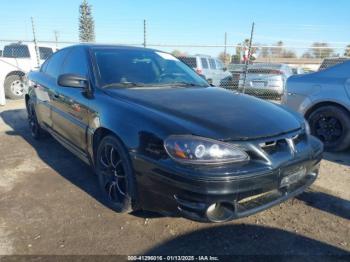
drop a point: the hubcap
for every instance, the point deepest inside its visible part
(328, 129)
(17, 87)
(112, 174)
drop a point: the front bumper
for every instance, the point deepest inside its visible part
(170, 191)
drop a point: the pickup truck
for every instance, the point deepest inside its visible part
(16, 61)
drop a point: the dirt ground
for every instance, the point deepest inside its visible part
(50, 204)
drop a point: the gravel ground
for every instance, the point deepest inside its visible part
(50, 204)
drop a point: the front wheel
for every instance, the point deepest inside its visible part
(115, 174)
(331, 124)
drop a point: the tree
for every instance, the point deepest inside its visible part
(347, 51)
(321, 50)
(86, 23)
(178, 53)
(225, 59)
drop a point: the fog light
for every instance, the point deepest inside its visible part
(220, 212)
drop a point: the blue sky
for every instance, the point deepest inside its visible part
(298, 23)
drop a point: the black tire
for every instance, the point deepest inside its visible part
(14, 87)
(115, 175)
(35, 129)
(331, 124)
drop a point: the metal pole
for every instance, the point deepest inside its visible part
(248, 58)
(225, 49)
(56, 38)
(35, 43)
(144, 33)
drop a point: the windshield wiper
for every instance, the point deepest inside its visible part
(181, 84)
(124, 85)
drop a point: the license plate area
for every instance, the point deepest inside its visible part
(292, 176)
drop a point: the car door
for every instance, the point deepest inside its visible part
(205, 67)
(45, 87)
(70, 107)
(213, 71)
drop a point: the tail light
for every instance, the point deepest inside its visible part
(199, 71)
(276, 72)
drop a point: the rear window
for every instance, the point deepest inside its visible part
(190, 61)
(16, 51)
(45, 52)
(266, 71)
(204, 63)
(212, 63)
(332, 62)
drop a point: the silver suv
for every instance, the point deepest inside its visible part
(211, 68)
(323, 98)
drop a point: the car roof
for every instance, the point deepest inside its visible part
(109, 46)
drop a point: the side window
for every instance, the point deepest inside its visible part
(55, 62)
(45, 52)
(44, 66)
(212, 63)
(219, 65)
(204, 63)
(76, 62)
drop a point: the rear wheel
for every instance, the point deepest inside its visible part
(35, 129)
(14, 87)
(331, 124)
(115, 174)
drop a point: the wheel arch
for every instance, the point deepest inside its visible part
(98, 135)
(322, 104)
(16, 72)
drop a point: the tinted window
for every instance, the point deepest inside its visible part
(190, 61)
(125, 68)
(55, 62)
(204, 63)
(76, 63)
(16, 51)
(45, 52)
(212, 63)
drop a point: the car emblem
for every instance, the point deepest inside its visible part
(291, 145)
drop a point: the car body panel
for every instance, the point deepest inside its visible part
(329, 85)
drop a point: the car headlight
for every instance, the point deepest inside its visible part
(307, 127)
(197, 150)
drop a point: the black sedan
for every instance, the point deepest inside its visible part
(160, 138)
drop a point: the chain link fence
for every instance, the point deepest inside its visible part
(262, 72)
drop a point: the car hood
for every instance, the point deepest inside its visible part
(214, 112)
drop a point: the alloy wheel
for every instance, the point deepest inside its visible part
(112, 173)
(328, 129)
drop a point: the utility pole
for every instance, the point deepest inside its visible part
(56, 33)
(248, 57)
(225, 49)
(144, 34)
(35, 43)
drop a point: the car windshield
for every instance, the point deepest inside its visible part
(130, 68)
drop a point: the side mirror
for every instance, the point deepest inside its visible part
(71, 80)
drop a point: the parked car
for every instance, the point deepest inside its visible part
(298, 70)
(212, 69)
(323, 98)
(266, 80)
(232, 81)
(16, 61)
(160, 138)
(328, 62)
